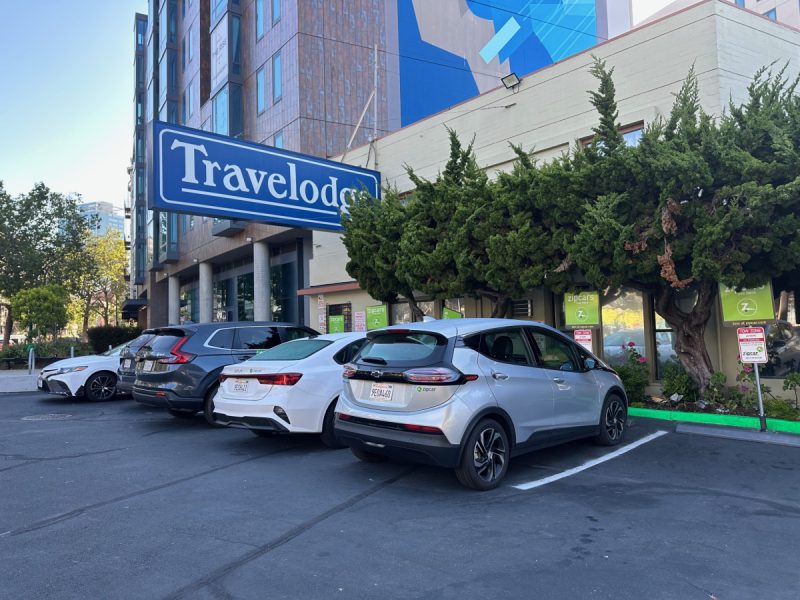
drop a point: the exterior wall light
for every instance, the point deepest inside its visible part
(511, 81)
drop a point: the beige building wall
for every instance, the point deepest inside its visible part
(551, 111)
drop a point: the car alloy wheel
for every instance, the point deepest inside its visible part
(489, 454)
(614, 420)
(101, 387)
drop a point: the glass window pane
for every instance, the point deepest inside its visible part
(555, 353)
(220, 110)
(260, 99)
(276, 11)
(507, 345)
(259, 18)
(256, 338)
(295, 350)
(401, 311)
(244, 297)
(623, 323)
(236, 117)
(278, 142)
(236, 47)
(277, 77)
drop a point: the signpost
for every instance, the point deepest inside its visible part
(582, 309)
(753, 349)
(584, 338)
(197, 172)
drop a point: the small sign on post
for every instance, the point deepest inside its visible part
(584, 338)
(753, 349)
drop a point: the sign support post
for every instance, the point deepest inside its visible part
(762, 417)
(753, 350)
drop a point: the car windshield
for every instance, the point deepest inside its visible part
(388, 347)
(114, 351)
(295, 350)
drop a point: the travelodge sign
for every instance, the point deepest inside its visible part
(207, 174)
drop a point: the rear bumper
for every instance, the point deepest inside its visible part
(165, 399)
(257, 423)
(401, 445)
(125, 383)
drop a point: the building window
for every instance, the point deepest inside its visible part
(278, 140)
(740, 3)
(236, 47)
(276, 11)
(190, 43)
(345, 314)
(259, 19)
(139, 71)
(220, 112)
(244, 297)
(772, 14)
(139, 147)
(221, 300)
(277, 78)
(218, 8)
(236, 108)
(623, 323)
(633, 136)
(260, 99)
(172, 71)
(141, 28)
(401, 311)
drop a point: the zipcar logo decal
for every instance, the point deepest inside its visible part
(425, 389)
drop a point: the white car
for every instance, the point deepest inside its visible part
(291, 388)
(93, 377)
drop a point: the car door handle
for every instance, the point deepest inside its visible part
(558, 380)
(500, 376)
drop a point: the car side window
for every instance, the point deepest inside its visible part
(222, 338)
(554, 353)
(294, 333)
(348, 353)
(507, 345)
(256, 338)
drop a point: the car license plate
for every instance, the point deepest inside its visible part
(241, 385)
(381, 392)
(147, 366)
(126, 364)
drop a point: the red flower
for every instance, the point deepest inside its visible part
(642, 359)
(631, 345)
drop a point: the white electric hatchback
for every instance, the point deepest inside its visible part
(291, 388)
(470, 394)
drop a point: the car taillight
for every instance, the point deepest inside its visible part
(178, 357)
(223, 377)
(279, 378)
(432, 375)
(344, 417)
(349, 370)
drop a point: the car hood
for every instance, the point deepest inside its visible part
(91, 360)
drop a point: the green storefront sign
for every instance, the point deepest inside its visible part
(582, 309)
(449, 313)
(336, 324)
(377, 317)
(748, 306)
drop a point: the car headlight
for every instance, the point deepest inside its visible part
(70, 370)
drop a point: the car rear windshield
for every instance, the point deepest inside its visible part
(162, 343)
(295, 350)
(410, 347)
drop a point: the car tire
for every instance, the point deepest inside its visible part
(182, 413)
(613, 421)
(100, 387)
(208, 406)
(484, 457)
(328, 435)
(367, 457)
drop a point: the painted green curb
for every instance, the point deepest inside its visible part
(729, 420)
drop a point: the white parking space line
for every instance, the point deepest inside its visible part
(588, 465)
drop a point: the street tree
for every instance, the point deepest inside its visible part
(700, 201)
(42, 310)
(37, 231)
(372, 232)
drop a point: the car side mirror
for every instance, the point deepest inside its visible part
(590, 363)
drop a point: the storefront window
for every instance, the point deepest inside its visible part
(401, 311)
(244, 297)
(783, 340)
(221, 301)
(623, 322)
(283, 284)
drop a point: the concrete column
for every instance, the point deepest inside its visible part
(262, 304)
(205, 294)
(174, 301)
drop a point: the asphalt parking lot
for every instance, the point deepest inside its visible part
(115, 500)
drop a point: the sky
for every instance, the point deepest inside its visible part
(66, 111)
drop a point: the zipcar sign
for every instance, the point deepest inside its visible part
(207, 174)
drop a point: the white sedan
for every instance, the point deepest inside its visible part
(93, 377)
(291, 388)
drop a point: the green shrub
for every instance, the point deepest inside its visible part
(780, 409)
(634, 374)
(100, 338)
(675, 380)
(61, 348)
(792, 382)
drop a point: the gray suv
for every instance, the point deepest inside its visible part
(470, 394)
(178, 368)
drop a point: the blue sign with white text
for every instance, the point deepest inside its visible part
(207, 174)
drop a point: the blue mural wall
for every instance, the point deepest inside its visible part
(529, 34)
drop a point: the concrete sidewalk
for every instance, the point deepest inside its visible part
(17, 380)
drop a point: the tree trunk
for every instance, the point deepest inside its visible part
(87, 308)
(690, 328)
(9, 325)
(416, 312)
(502, 307)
